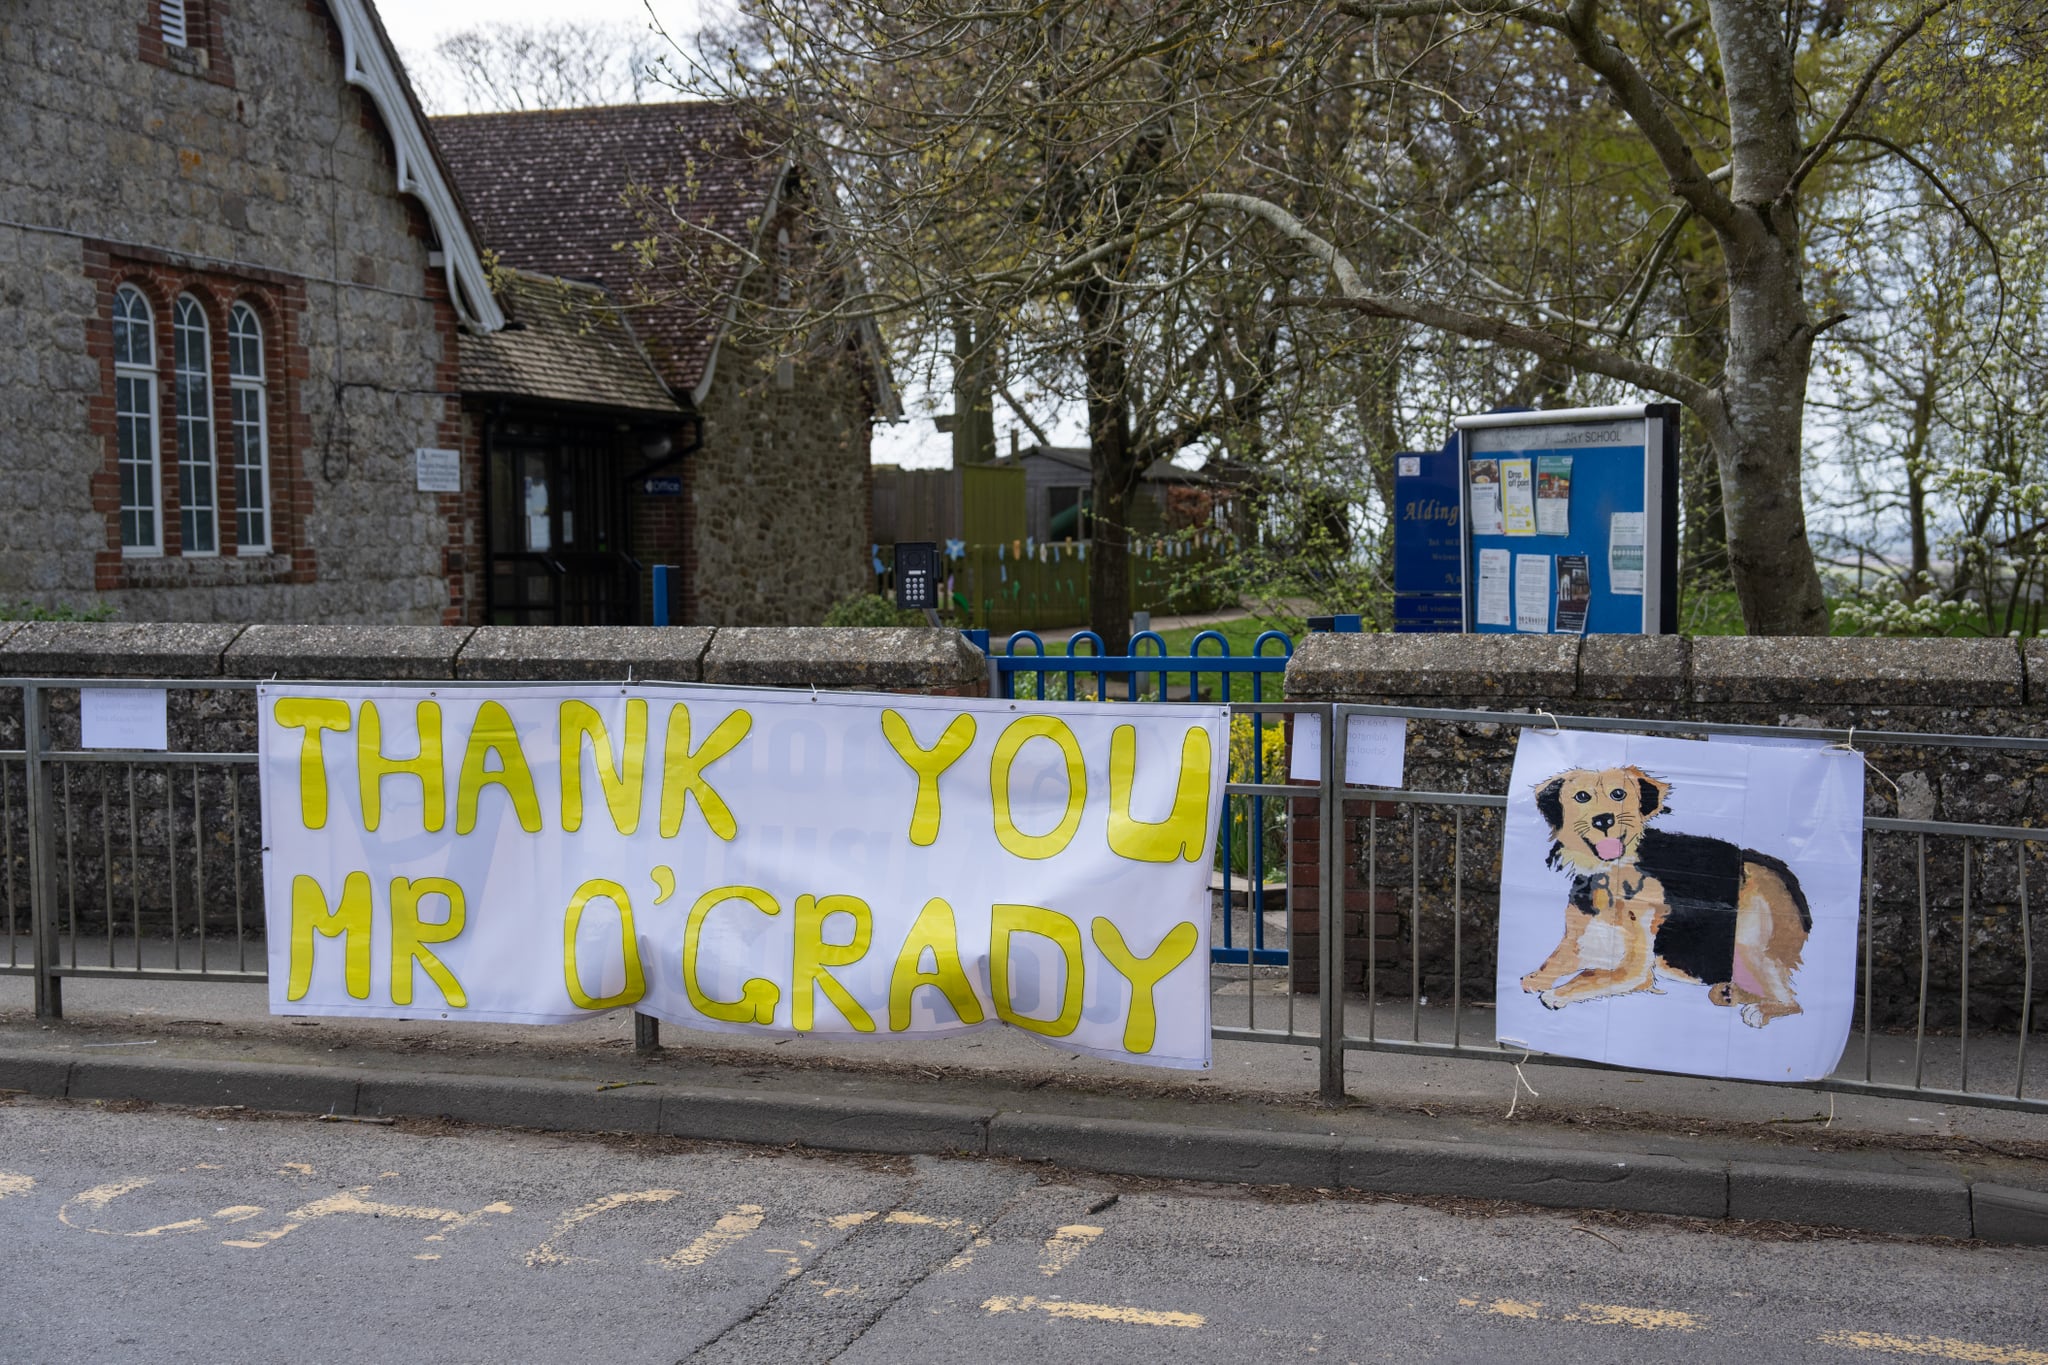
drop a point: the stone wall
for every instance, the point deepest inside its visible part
(779, 494)
(1932, 687)
(256, 173)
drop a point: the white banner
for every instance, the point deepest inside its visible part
(748, 861)
(1679, 906)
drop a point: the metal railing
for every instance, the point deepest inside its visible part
(146, 865)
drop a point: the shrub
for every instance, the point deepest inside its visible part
(28, 611)
(870, 609)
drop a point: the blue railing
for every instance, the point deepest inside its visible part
(1147, 673)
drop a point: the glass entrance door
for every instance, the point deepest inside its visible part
(557, 528)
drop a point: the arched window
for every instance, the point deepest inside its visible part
(135, 421)
(191, 379)
(251, 429)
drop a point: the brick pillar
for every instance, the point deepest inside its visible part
(1364, 912)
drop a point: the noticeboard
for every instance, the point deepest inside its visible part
(1570, 521)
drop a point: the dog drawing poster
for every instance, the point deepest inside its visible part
(1676, 906)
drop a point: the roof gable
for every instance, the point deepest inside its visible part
(370, 62)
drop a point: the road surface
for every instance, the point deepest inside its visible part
(176, 1236)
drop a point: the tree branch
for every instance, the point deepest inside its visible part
(1689, 181)
(1838, 132)
(1536, 341)
(1355, 295)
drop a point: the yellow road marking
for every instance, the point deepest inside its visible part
(920, 1220)
(966, 1257)
(296, 1168)
(1645, 1319)
(839, 1222)
(15, 1184)
(1507, 1308)
(352, 1201)
(727, 1230)
(545, 1253)
(96, 1199)
(1599, 1314)
(1065, 1244)
(1940, 1348)
(1094, 1312)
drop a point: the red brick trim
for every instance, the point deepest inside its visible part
(205, 54)
(280, 302)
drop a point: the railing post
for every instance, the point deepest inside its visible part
(646, 1032)
(42, 867)
(1330, 914)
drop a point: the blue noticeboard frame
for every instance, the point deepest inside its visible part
(1428, 579)
(1623, 464)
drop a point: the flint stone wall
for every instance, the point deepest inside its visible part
(1935, 687)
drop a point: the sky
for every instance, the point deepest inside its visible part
(418, 26)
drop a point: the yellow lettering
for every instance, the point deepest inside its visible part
(758, 996)
(1185, 831)
(494, 733)
(623, 781)
(1143, 973)
(372, 766)
(636, 979)
(682, 772)
(348, 921)
(935, 930)
(1064, 934)
(1016, 735)
(410, 936)
(927, 764)
(313, 714)
(814, 955)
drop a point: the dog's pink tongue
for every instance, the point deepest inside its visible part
(1608, 848)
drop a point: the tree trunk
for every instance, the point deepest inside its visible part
(1761, 411)
(1757, 443)
(1110, 458)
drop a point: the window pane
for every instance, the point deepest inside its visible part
(131, 329)
(195, 429)
(245, 344)
(252, 519)
(135, 442)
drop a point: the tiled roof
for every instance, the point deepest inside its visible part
(564, 342)
(547, 191)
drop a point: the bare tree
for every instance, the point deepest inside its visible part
(500, 67)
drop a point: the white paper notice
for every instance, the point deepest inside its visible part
(437, 471)
(1518, 497)
(124, 718)
(1625, 553)
(1493, 588)
(1375, 750)
(1532, 593)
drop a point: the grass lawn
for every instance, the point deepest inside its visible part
(1240, 633)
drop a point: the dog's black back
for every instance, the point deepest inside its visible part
(1702, 881)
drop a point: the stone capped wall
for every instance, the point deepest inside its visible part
(259, 171)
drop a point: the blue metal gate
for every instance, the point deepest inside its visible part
(1149, 673)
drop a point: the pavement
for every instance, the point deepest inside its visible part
(1412, 1125)
(154, 1236)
